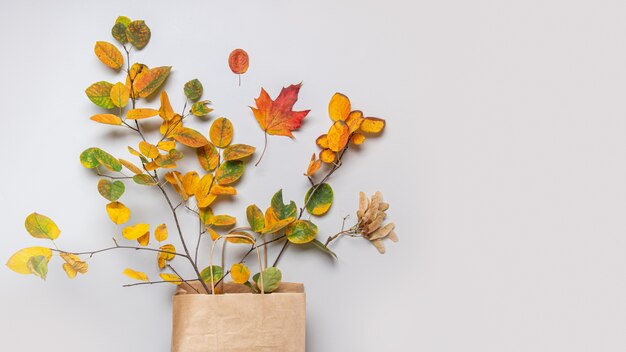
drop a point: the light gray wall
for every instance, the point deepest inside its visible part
(503, 162)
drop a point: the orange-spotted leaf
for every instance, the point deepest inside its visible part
(109, 55)
(119, 95)
(118, 212)
(138, 34)
(238, 151)
(357, 139)
(327, 156)
(221, 132)
(148, 150)
(189, 137)
(160, 233)
(208, 157)
(314, 165)
(136, 275)
(338, 136)
(143, 113)
(240, 273)
(339, 107)
(148, 81)
(135, 231)
(107, 119)
(372, 125)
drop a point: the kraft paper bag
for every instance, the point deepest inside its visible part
(237, 320)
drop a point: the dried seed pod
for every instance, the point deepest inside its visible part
(371, 215)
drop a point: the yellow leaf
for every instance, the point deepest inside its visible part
(18, 261)
(130, 166)
(322, 141)
(372, 125)
(135, 70)
(354, 121)
(203, 195)
(276, 226)
(144, 240)
(221, 132)
(189, 137)
(339, 107)
(107, 119)
(223, 190)
(148, 149)
(168, 127)
(41, 226)
(143, 113)
(314, 165)
(118, 213)
(136, 275)
(240, 273)
(208, 157)
(73, 264)
(191, 182)
(119, 95)
(214, 235)
(160, 233)
(327, 156)
(338, 136)
(151, 166)
(163, 257)
(135, 231)
(357, 139)
(223, 220)
(165, 111)
(166, 145)
(109, 55)
(175, 178)
(171, 278)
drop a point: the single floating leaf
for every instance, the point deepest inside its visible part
(255, 218)
(301, 231)
(338, 136)
(18, 261)
(190, 137)
(238, 61)
(144, 113)
(41, 226)
(100, 94)
(148, 81)
(229, 172)
(339, 107)
(144, 180)
(109, 55)
(135, 231)
(238, 151)
(221, 132)
(107, 119)
(193, 89)
(208, 157)
(136, 275)
(118, 212)
(319, 203)
(111, 191)
(138, 34)
(38, 266)
(240, 273)
(271, 279)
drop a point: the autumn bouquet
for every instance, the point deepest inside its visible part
(153, 163)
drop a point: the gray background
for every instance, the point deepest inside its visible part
(503, 162)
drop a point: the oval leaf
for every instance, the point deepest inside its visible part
(160, 233)
(229, 172)
(189, 137)
(301, 231)
(221, 132)
(109, 55)
(138, 34)
(193, 90)
(238, 61)
(205, 274)
(256, 219)
(271, 279)
(18, 261)
(144, 180)
(136, 275)
(338, 136)
(238, 151)
(208, 157)
(240, 273)
(144, 113)
(107, 119)
(118, 212)
(319, 202)
(339, 107)
(135, 231)
(41, 226)
(100, 94)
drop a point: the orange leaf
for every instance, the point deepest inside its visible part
(109, 55)
(189, 137)
(166, 145)
(276, 117)
(354, 120)
(136, 114)
(166, 111)
(339, 107)
(338, 136)
(191, 181)
(327, 156)
(148, 81)
(322, 141)
(357, 139)
(238, 61)
(107, 119)
(208, 157)
(149, 150)
(372, 125)
(314, 165)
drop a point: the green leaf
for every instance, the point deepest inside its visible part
(271, 279)
(229, 172)
(100, 94)
(319, 245)
(144, 180)
(94, 157)
(111, 190)
(256, 219)
(193, 89)
(238, 151)
(301, 231)
(200, 108)
(119, 32)
(41, 226)
(205, 274)
(38, 265)
(123, 20)
(282, 210)
(320, 201)
(138, 34)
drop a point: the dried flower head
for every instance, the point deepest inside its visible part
(371, 215)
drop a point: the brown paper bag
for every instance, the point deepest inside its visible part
(237, 320)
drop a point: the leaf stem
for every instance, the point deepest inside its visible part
(263, 153)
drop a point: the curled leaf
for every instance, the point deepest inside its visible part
(38, 266)
(314, 165)
(73, 264)
(166, 255)
(200, 108)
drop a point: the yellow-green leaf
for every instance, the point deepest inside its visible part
(41, 226)
(301, 231)
(138, 34)
(111, 190)
(149, 81)
(277, 226)
(217, 272)
(144, 180)
(238, 151)
(189, 137)
(100, 94)
(320, 201)
(94, 157)
(107, 119)
(193, 89)
(135, 231)
(240, 273)
(136, 275)
(223, 220)
(255, 218)
(118, 212)
(221, 132)
(109, 55)
(18, 261)
(200, 108)
(38, 266)
(229, 172)
(272, 278)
